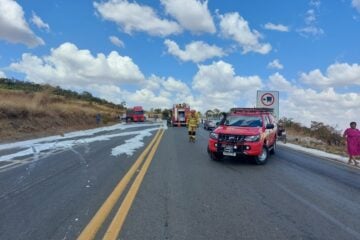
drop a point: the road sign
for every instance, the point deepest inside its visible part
(268, 99)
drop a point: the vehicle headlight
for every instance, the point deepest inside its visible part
(214, 135)
(252, 138)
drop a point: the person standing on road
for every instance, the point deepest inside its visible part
(98, 118)
(192, 123)
(352, 136)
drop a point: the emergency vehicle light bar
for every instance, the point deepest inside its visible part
(251, 110)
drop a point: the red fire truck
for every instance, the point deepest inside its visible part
(180, 114)
(135, 114)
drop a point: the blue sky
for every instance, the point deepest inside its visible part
(211, 54)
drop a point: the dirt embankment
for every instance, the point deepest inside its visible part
(30, 115)
(309, 141)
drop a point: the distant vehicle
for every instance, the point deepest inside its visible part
(244, 131)
(211, 123)
(135, 114)
(180, 114)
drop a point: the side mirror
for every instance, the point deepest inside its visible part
(270, 126)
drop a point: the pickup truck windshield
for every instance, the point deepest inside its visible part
(244, 121)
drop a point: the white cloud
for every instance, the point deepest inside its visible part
(219, 86)
(276, 27)
(197, 51)
(279, 83)
(170, 84)
(173, 85)
(220, 76)
(110, 92)
(356, 4)
(235, 27)
(192, 15)
(116, 41)
(154, 83)
(163, 91)
(13, 26)
(135, 17)
(35, 19)
(315, 3)
(275, 64)
(311, 31)
(70, 67)
(311, 28)
(2, 74)
(145, 97)
(149, 99)
(338, 74)
(310, 17)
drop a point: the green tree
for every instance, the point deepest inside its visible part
(166, 113)
(157, 110)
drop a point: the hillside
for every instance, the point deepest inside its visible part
(29, 110)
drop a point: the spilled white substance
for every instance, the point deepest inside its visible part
(90, 132)
(130, 145)
(50, 144)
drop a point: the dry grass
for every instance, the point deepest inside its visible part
(27, 115)
(302, 139)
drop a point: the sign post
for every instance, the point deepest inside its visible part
(268, 99)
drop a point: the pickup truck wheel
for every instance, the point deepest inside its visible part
(273, 148)
(217, 157)
(263, 157)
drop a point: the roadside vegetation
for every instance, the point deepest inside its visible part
(29, 110)
(318, 136)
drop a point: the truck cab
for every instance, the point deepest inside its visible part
(135, 114)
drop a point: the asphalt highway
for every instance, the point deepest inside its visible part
(170, 189)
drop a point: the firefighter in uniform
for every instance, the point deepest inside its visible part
(192, 123)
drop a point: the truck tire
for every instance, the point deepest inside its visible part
(263, 157)
(273, 148)
(217, 157)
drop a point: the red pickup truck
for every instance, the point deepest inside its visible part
(244, 131)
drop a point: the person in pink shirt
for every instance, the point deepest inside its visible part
(352, 136)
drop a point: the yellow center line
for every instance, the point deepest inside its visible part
(94, 225)
(119, 219)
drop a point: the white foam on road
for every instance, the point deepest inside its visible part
(44, 145)
(131, 145)
(90, 132)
